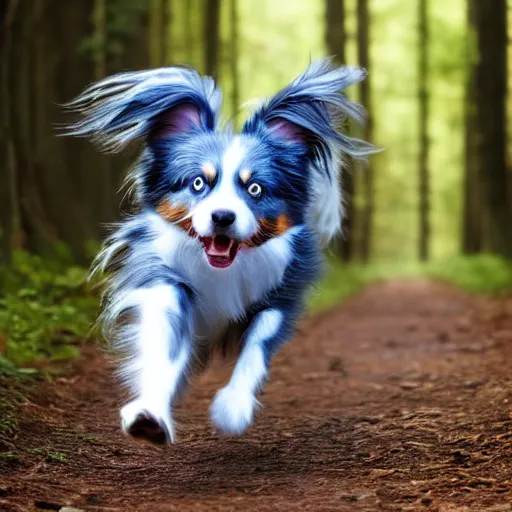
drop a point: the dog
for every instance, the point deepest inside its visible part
(228, 233)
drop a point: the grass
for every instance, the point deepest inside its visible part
(8, 421)
(10, 399)
(46, 309)
(484, 273)
(49, 455)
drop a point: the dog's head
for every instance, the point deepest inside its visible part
(229, 190)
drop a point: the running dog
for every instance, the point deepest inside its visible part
(228, 233)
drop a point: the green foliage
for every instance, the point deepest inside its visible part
(45, 311)
(49, 455)
(485, 273)
(342, 280)
(87, 438)
(122, 23)
(8, 422)
(9, 403)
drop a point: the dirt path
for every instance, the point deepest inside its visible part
(401, 399)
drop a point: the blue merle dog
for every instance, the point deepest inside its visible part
(228, 233)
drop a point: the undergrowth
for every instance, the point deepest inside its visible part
(46, 310)
(483, 273)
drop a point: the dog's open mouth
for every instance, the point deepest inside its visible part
(220, 250)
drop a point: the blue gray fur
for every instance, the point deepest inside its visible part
(187, 281)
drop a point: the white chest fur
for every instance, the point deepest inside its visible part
(223, 294)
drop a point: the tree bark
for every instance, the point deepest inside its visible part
(166, 46)
(424, 143)
(473, 215)
(363, 50)
(235, 93)
(100, 36)
(335, 29)
(27, 114)
(10, 215)
(211, 38)
(156, 38)
(55, 189)
(335, 37)
(491, 96)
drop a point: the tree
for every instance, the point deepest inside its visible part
(335, 38)
(158, 13)
(166, 43)
(473, 215)
(363, 46)
(490, 117)
(211, 38)
(57, 189)
(10, 214)
(235, 92)
(424, 143)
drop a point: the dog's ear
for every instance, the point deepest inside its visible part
(307, 116)
(157, 104)
(312, 108)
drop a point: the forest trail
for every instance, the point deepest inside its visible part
(399, 399)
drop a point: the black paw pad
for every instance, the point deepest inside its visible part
(146, 428)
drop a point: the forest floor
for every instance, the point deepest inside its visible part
(399, 399)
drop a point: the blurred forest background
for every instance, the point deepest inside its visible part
(436, 96)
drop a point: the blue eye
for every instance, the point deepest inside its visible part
(198, 184)
(254, 190)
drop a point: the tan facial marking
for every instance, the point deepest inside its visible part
(209, 171)
(269, 229)
(245, 175)
(175, 214)
(283, 224)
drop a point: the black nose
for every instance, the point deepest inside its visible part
(223, 218)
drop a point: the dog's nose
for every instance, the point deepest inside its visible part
(223, 218)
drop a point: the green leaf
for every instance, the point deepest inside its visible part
(65, 352)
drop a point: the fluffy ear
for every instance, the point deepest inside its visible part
(157, 103)
(309, 112)
(312, 108)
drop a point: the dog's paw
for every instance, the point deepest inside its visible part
(232, 410)
(145, 425)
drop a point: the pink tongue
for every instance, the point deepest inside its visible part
(220, 246)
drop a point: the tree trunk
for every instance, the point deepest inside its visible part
(166, 46)
(10, 216)
(156, 37)
(335, 43)
(491, 104)
(423, 117)
(363, 47)
(56, 189)
(99, 25)
(235, 93)
(473, 206)
(100, 36)
(28, 123)
(335, 29)
(189, 35)
(211, 38)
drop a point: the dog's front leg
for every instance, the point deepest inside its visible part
(159, 346)
(232, 410)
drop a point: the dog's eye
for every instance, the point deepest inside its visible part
(198, 184)
(254, 190)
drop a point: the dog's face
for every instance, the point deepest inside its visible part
(232, 192)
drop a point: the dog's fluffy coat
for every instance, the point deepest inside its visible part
(229, 229)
